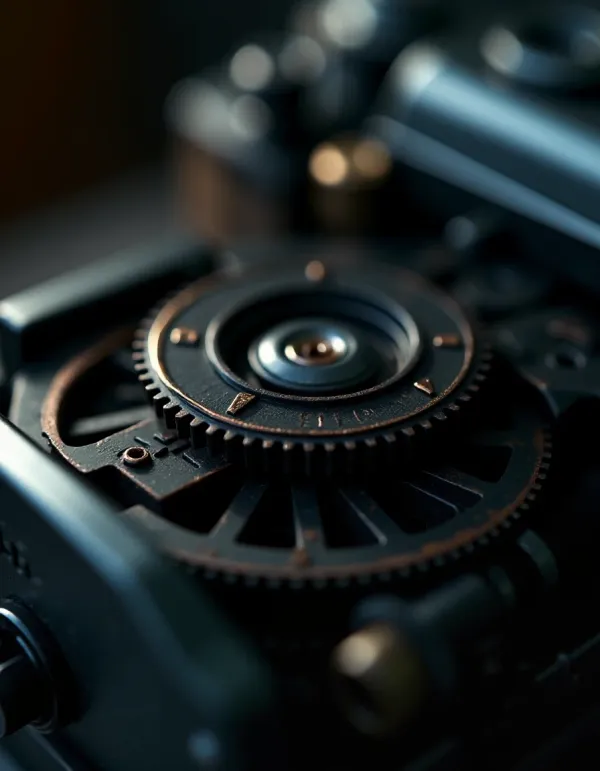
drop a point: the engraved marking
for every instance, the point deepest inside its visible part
(320, 421)
(366, 412)
(337, 419)
(141, 440)
(304, 419)
(425, 385)
(241, 401)
(184, 336)
(161, 452)
(315, 271)
(447, 341)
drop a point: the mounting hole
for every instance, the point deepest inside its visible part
(136, 456)
(566, 359)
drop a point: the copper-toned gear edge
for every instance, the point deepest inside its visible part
(159, 327)
(67, 377)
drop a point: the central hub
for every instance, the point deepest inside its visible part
(313, 354)
(316, 351)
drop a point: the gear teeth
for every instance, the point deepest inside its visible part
(251, 454)
(390, 447)
(370, 453)
(331, 459)
(182, 424)
(158, 402)
(214, 440)
(351, 464)
(310, 460)
(197, 430)
(289, 454)
(272, 461)
(169, 411)
(389, 451)
(232, 448)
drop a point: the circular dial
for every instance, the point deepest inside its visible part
(276, 362)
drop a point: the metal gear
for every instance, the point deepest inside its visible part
(418, 518)
(306, 368)
(220, 521)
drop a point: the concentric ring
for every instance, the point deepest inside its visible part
(205, 392)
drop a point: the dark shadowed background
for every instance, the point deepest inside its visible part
(83, 153)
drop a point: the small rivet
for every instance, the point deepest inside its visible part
(184, 336)
(136, 456)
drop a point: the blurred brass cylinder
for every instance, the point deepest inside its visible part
(347, 176)
(379, 680)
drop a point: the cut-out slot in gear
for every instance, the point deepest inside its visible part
(225, 365)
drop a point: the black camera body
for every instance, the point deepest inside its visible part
(316, 501)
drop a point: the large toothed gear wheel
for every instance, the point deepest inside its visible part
(467, 491)
(307, 367)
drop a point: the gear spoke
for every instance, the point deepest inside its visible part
(231, 525)
(383, 527)
(457, 487)
(310, 536)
